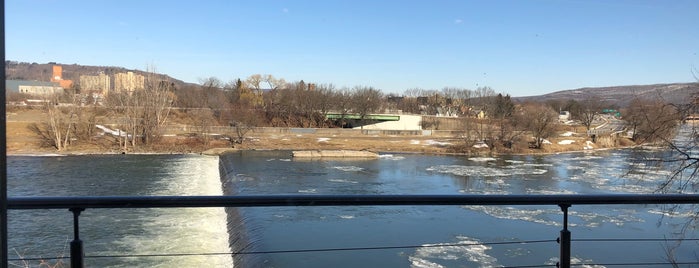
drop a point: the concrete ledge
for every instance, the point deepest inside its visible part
(334, 154)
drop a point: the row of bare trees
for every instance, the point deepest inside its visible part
(264, 100)
(139, 116)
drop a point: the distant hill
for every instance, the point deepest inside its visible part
(621, 95)
(43, 71)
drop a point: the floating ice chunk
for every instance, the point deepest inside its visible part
(342, 181)
(482, 159)
(486, 171)
(391, 157)
(348, 168)
(466, 248)
(308, 191)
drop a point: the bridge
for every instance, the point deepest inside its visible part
(375, 117)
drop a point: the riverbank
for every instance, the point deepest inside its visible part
(22, 141)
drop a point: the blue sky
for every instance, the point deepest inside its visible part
(518, 47)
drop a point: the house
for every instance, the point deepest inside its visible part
(564, 116)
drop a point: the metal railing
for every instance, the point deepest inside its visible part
(78, 204)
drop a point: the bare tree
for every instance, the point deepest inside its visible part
(365, 100)
(244, 120)
(58, 128)
(202, 119)
(539, 120)
(254, 81)
(144, 111)
(588, 110)
(274, 83)
(652, 120)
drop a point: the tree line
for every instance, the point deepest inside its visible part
(487, 117)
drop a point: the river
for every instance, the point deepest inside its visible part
(414, 236)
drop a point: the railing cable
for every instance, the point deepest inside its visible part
(636, 263)
(633, 239)
(300, 250)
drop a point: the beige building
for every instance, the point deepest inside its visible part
(99, 83)
(128, 82)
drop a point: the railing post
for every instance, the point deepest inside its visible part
(76, 246)
(564, 240)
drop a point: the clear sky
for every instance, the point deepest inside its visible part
(518, 47)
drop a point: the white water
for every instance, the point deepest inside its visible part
(187, 230)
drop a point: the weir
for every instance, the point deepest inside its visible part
(238, 225)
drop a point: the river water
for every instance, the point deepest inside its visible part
(430, 229)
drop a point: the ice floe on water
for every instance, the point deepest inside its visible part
(391, 157)
(481, 159)
(485, 191)
(308, 191)
(342, 181)
(551, 216)
(514, 161)
(540, 216)
(675, 213)
(280, 159)
(576, 262)
(346, 217)
(618, 217)
(486, 171)
(465, 249)
(348, 168)
(550, 191)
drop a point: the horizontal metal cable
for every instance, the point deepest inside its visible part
(299, 250)
(632, 239)
(530, 266)
(635, 263)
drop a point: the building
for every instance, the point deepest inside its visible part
(95, 83)
(58, 77)
(35, 88)
(564, 116)
(128, 82)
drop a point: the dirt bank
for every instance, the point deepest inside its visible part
(21, 140)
